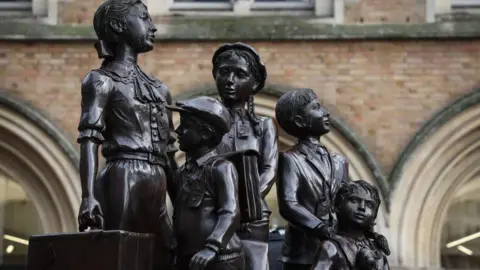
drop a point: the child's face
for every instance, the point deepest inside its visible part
(316, 119)
(189, 135)
(234, 80)
(359, 208)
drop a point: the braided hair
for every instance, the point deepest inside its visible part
(251, 62)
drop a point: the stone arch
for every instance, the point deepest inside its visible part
(38, 156)
(441, 157)
(341, 140)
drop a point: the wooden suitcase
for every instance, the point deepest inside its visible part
(92, 250)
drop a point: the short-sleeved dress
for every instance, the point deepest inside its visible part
(124, 110)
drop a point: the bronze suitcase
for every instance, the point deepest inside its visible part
(92, 250)
(250, 199)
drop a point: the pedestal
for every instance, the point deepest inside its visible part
(93, 250)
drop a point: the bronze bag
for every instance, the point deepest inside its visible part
(250, 199)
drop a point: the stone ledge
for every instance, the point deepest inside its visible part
(254, 28)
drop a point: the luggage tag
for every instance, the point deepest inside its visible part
(243, 131)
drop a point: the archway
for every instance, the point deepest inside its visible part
(440, 159)
(341, 140)
(42, 161)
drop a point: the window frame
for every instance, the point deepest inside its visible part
(325, 9)
(464, 3)
(16, 6)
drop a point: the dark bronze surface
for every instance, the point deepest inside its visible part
(123, 109)
(205, 190)
(354, 248)
(307, 178)
(239, 74)
(93, 250)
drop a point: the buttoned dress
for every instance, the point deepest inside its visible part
(123, 109)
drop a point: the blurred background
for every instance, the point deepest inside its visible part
(400, 78)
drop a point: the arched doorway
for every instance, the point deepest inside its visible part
(436, 172)
(341, 140)
(39, 181)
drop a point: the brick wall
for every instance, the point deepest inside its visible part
(385, 11)
(383, 90)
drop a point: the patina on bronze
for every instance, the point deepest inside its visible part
(307, 178)
(356, 205)
(204, 193)
(240, 74)
(123, 109)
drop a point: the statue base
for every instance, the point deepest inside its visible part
(92, 250)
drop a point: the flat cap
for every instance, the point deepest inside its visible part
(262, 70)
(208, 109)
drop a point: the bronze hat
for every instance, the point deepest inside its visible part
(209, 109)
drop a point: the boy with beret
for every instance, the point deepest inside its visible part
(204, 194)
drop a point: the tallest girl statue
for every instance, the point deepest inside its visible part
(123, 109)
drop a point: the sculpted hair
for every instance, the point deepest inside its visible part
(346, 191)
(252, 66)
(291, 104)
(107, 12)
(350, 188)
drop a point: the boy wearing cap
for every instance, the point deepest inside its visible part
(204, 195)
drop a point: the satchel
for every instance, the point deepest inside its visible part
(249, 196)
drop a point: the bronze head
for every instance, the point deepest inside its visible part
(300, 114)
(123, 22)
(203, 122)
(239, 74)
(356, 205)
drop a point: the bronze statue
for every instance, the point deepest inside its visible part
(204, 194)
(307, 178)
(123, 109)
(240, 74)
(356, 205)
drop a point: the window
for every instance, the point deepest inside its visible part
(45, 10)
(19, 220)
(16, 5)
(321, 8)
(465, 3)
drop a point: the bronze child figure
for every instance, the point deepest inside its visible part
(307, 178)
(240, 74)
(123, 109)
(356, 205)
(204, 194)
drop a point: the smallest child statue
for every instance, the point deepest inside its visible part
(356, 204)
(204, 193)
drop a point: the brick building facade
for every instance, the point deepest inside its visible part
(397, 76)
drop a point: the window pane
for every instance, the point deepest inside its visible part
(283, 1)
(19, 220)
(202, 1)
(462, 221)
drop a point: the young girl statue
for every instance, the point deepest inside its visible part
(240, 74)
(123, 109)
